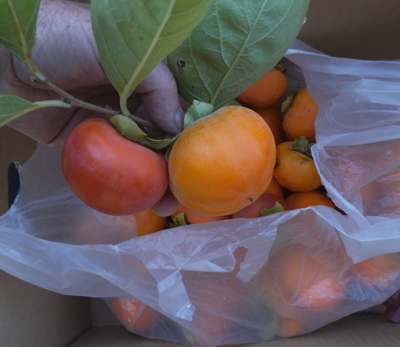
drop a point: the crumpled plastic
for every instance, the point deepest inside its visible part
(234, 281)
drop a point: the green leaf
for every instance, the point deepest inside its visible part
(232, 102)
(134, 36)
(18, 28)
(128, 128)
(12, 107)
(179, 220)
(287, 103)
(268, 211)
(302, 146)
(196, 111)
(234, 46)
(157, 144)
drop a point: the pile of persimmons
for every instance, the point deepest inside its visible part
(246, 160)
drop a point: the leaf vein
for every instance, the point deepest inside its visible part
(231, 67)
(133, 79)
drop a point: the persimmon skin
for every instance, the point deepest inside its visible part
(304, 282)
(299, 120)
(306, 199)
(222, 162)
(148, 222)
(266, 91)
(110, 173)
(295, 171)
(274, 188)
(379, 270)
(196, 218)
(289, 327)
(265, 201)
(132, 314)
(273, 116)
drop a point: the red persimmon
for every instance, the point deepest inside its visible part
(263, 205)
(110, 173)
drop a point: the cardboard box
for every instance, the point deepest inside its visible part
(31, 316)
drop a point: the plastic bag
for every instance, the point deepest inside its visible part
(243, 280)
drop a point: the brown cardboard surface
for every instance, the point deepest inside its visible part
(361, 29)
(100, 313)
(367, 331)
(34, 317)
(31, 316)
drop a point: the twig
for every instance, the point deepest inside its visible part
(74, 102)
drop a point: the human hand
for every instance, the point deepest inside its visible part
(66, 53)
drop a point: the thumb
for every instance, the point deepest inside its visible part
(159, 94)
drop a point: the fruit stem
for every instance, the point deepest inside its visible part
(75, 102)
(302, 146)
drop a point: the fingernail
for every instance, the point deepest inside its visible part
(179, 116)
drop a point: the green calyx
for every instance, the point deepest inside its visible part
(268, 211)
(302, 146)
(128, 128)
(178, 221)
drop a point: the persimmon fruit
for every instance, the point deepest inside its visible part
(133, 314)
(196, 218)
(306, 199)
(294, 169)
(273, 116)
(274, 187)
(305, 282)
(148, 222)
(266, 91)
(222, 162)
(300, 118)
(110, 173)
(379, 270)
(266, 202)
(289, 327)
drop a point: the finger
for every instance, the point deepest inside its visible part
(65, 50)
(160, 98)
(167, 205)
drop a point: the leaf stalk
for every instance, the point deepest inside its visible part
(75, 102)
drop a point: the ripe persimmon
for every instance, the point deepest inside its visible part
(289, 327)
(133, 314)
(191, 217)
(379, 270)
(222, 162)
(303, 281)
(299, 120)
(306, 199)
(266, 91)
(273, 116)
(264, 205)
(274, 188)
(218, 300)
(97, 164)
(148, 222)
(295, 168)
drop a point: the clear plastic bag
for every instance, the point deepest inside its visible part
(243, 280)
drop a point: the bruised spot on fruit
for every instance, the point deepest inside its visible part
(251, 199)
